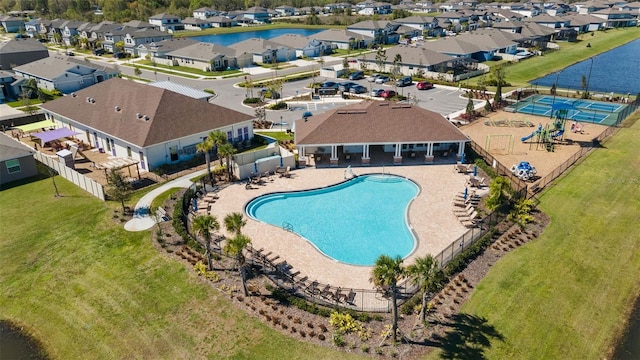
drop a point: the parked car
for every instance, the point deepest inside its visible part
(358, 89)
(356, 75)
(376, 92)
(424, 85)
(307, 114)
(382, 79)
(346, 85)
(329, 84)
(373, 77)
(405, 81)
(98, 52)
(119, 55)
(327, 91)
(70, 53)
(387, 94)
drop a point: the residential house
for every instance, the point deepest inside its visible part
(69, 32)
(160, 49)
(64, 73)
(18, 52)
(142, 36)
(196, 24)
(95, 35)
(374, 131)
(554, 22)
(208, 57)
(615, 18)
(166, 22)
(12, 24)
(583, 23)
(302, 46)
(54, 30)
(415, 60)
(16, 161)
(256, 14)
(493, 42)
(138, 24)
(588, 7)
(343, 39)
(32, 27)
(205, 13)
(265, 51)
(9, 86)
(285, 10)
(381, 31)
(221, 21)
(427, 25)
(145, 124)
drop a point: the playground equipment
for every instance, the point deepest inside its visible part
(524, 170)
(500, 143)
(547, 136)
(537, 132)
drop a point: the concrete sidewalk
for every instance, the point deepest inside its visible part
(141, 216)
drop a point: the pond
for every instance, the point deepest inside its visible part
(629, 347)
(232, 38)
(15, 345)
(613, 71)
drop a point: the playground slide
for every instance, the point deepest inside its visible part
(523, 139)
(557, 134)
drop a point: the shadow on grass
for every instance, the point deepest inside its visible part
(468, 338)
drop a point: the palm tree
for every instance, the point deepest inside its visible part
(235, 247)
(227, 150)
(218, 138)
(234, 222)
(426, 273)
(204, 147)
(385, 275)
(204, 225)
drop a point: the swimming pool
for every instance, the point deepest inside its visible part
(352, 222)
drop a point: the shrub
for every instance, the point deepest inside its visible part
(458, 263)
(253, 100)
(338, 340)
(281, 105)
(345, 323)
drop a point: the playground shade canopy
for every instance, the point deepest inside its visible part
(47, 136)
(35, 126)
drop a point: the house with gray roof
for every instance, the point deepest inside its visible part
(11, 24)
(343, 39)
(583, 23)
(16, 161)
(18, 52)
(256, 14)
(425, 24)
(554, 22)
(375, 29)
(139, 24)
(615, 18)
(196, 24)
(64, 73)
(415, 60)
(160, 49)
(166, 22)
(264, 51)
(9, 87)
(303, 45)
(377, 131)
(208, 57)
(150, 125)
(205, 13)
(69, 30)
(142, 36)
(31, 27)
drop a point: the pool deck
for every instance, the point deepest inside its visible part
(430, 215)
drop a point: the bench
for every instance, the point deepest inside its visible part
(162, 214)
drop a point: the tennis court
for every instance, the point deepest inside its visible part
(577, 109)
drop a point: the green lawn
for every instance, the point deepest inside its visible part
(565, 295)
(74, 278)
(519, 74)
(150, 66)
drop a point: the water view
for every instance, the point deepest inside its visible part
(614, 71)
(230, 39)
(16, 346)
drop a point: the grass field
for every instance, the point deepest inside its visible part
(567, 294)
(73, 278)
(519, 74)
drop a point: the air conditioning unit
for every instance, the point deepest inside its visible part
(73, 94)
(138, 115)
(117, 108)
(88, 99)
(146, 117)
(92, 100)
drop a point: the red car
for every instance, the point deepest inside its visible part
(388, 94)
(424, 85)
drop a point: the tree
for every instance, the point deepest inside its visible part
(227, 150)
(218, 138)
(428, 276)
(381, 58)
(261, 115)
(205, 147)
(119, 46)
(235, 247)
(345, 64)
(119, 188)
(204, 225)
(234, 222)
(521, 212)
(397, 63)
(384, 276)
(500, 76)
(470, 107)
(498, 193)
(488, 107)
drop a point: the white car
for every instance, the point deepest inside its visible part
(373, 77)
(382, 79)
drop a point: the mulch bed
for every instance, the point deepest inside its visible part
(443, 318)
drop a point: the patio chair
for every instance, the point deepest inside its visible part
(338, 295)
(469, 223)
(468, 210)
(326, 292)
(286, 172)
(471, 216)
(351, 297)
(464, 204)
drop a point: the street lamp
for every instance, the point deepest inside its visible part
(555, 85)
(586, 92)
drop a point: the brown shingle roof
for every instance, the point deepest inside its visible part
(171, 115)
(377, 122)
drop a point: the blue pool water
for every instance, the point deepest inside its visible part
(352, 222)
(230, 39)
